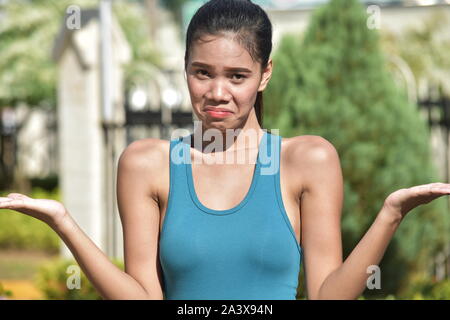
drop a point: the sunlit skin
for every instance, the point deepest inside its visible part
(312, 177)
(221, 73)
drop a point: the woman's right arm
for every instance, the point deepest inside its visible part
(139, 212)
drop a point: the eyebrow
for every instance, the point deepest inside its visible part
(236, 69)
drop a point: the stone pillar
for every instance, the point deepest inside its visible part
(82, 151)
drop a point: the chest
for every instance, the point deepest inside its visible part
(224, 186)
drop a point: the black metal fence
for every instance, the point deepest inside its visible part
(438, 116)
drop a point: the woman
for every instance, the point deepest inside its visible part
(212, 231)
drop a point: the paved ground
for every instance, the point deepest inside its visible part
(22, 289)
(17, 271)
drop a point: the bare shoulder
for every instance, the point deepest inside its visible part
(145, 152)
(147, 159)
(309, 150)
(308, 154)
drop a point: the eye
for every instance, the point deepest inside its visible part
(201, 72)
(239, 76)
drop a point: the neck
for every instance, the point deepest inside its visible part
(216, 140)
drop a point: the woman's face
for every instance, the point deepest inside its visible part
(222, 74)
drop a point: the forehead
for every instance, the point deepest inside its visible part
(220, 50)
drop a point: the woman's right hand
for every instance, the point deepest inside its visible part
(51, 212)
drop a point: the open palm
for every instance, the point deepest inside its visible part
(404, 200)
(48, 211)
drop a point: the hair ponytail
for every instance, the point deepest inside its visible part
(259, 108)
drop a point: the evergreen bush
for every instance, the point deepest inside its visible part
(334, 83)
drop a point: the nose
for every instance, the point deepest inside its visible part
(218, 91)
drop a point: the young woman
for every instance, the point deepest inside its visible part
(195, 230)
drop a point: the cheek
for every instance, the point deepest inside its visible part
(246, 96)
(196, 89)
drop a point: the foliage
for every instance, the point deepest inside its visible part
(388, 297)
(424, 287)
(25, 40)
(27, 34)
(53, 279)
(48, 183)
(5, 294)
(423, 47)
(334, 83)
(175, 6)
(19, 231)
(134, 23)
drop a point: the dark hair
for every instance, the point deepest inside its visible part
(247, 21)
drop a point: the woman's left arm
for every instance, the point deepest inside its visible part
(350, 280)
(326, 276)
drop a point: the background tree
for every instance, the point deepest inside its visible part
(176, 7)
(27, 33)
(424, 48)
(334, 83)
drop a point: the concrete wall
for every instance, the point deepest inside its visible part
(88, 166)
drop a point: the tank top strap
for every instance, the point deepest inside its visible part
(267, 165)
(269, 185)
(264, 187)
(269, 155)
(178, 189)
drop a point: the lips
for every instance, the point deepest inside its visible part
(218, 109)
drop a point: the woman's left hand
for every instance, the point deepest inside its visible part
(404, 200)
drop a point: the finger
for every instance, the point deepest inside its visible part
(425, 189)
(430, 191)
(431, 188)
(17, 196)
(434, 185)
(12, 204)
(10, 197)
(445, 188)
(440, 185)
(23, 206)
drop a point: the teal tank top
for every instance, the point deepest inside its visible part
(248, 252)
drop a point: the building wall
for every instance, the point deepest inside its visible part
(393, 19)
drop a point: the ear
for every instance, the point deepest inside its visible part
(266, 74)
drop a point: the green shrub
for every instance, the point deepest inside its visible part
(48, 183)
(333, 82)
(441, 291)
(377, 297)
(4, 294)
(425, 287)
(19, 231)
(54, 278)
